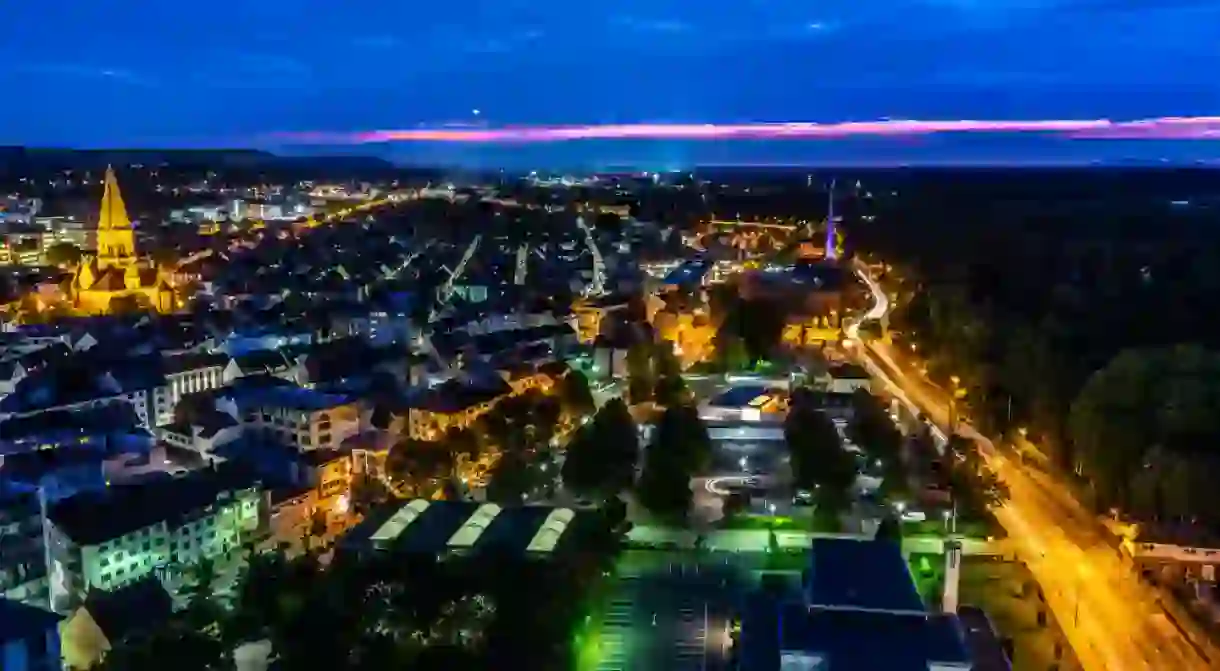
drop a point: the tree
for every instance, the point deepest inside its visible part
(817, 458)
(889, 529)
(664, 488)
(1158, 402)
(670, 388)
(680, 447)
(418, 466)
(575, 394)
(512, 479)
(973, 485)
(602, 458)
(63, 254)
(640, 379)
(874, 432)
(681, 434)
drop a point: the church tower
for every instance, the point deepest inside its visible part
(116, 238)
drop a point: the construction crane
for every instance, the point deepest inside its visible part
(597, 285)
(446, 290)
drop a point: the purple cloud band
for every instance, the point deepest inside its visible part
(1162, 128)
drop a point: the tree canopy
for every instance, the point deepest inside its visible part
(817, 457)
(1144, 428)
(601, 458)
(680, 447)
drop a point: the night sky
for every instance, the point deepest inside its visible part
(230, 73)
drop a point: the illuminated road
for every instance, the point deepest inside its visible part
(1111, 619)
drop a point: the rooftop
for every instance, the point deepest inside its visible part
(872, 575)
(95, 517)
(739, 396)
(867, 641)
(290, 397)
(19, 621)
(437, 527)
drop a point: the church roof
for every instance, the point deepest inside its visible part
(110, 279)
(113, 213)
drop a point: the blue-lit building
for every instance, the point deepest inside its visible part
(688, 275)
(857, 610)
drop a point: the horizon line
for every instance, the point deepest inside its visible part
(1156, 128)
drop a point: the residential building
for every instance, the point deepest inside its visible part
(318, 509)
(106, 539)
(23, 554)
(589, 314)
(185, 373)
(457, 403)
(303, 418)
(1185, 550)
(29, 638)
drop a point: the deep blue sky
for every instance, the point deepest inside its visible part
(126, 72)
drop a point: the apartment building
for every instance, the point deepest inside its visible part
(106, 539)
(23, 561)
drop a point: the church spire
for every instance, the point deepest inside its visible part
(113, 214)
(116, 238)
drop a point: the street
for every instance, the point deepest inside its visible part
(1111, 619)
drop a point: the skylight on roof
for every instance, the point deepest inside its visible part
(398, 522)
(474, 527)
(552, 529)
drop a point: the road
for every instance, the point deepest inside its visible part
(1112, 620)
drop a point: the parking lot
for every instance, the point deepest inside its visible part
(670, 611)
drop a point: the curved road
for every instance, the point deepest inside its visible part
(1112, 620)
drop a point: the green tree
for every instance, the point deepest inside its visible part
(640, 379)
(664, 487)
(670, 388)
(973, 485)
(512, 479)
(602, 458)
(1144, 400)
(680, 448)
(64, 254)
(729, 352)
(575, 394)
(874, 432)
(682, 434)
(817, 457)
(418, 465)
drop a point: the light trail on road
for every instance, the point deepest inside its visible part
(1112, 620)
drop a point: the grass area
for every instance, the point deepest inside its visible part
(928, 571)
(802, 519)
(969, 528)
(1006, 591)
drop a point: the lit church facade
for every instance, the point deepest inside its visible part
(116, 271)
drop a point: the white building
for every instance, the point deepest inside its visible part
(110, 538)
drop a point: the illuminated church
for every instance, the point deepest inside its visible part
(116, 272)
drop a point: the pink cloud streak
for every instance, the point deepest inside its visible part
(1162, 128)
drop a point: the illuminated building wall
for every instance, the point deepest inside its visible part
(179, 533)
(433, 422)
